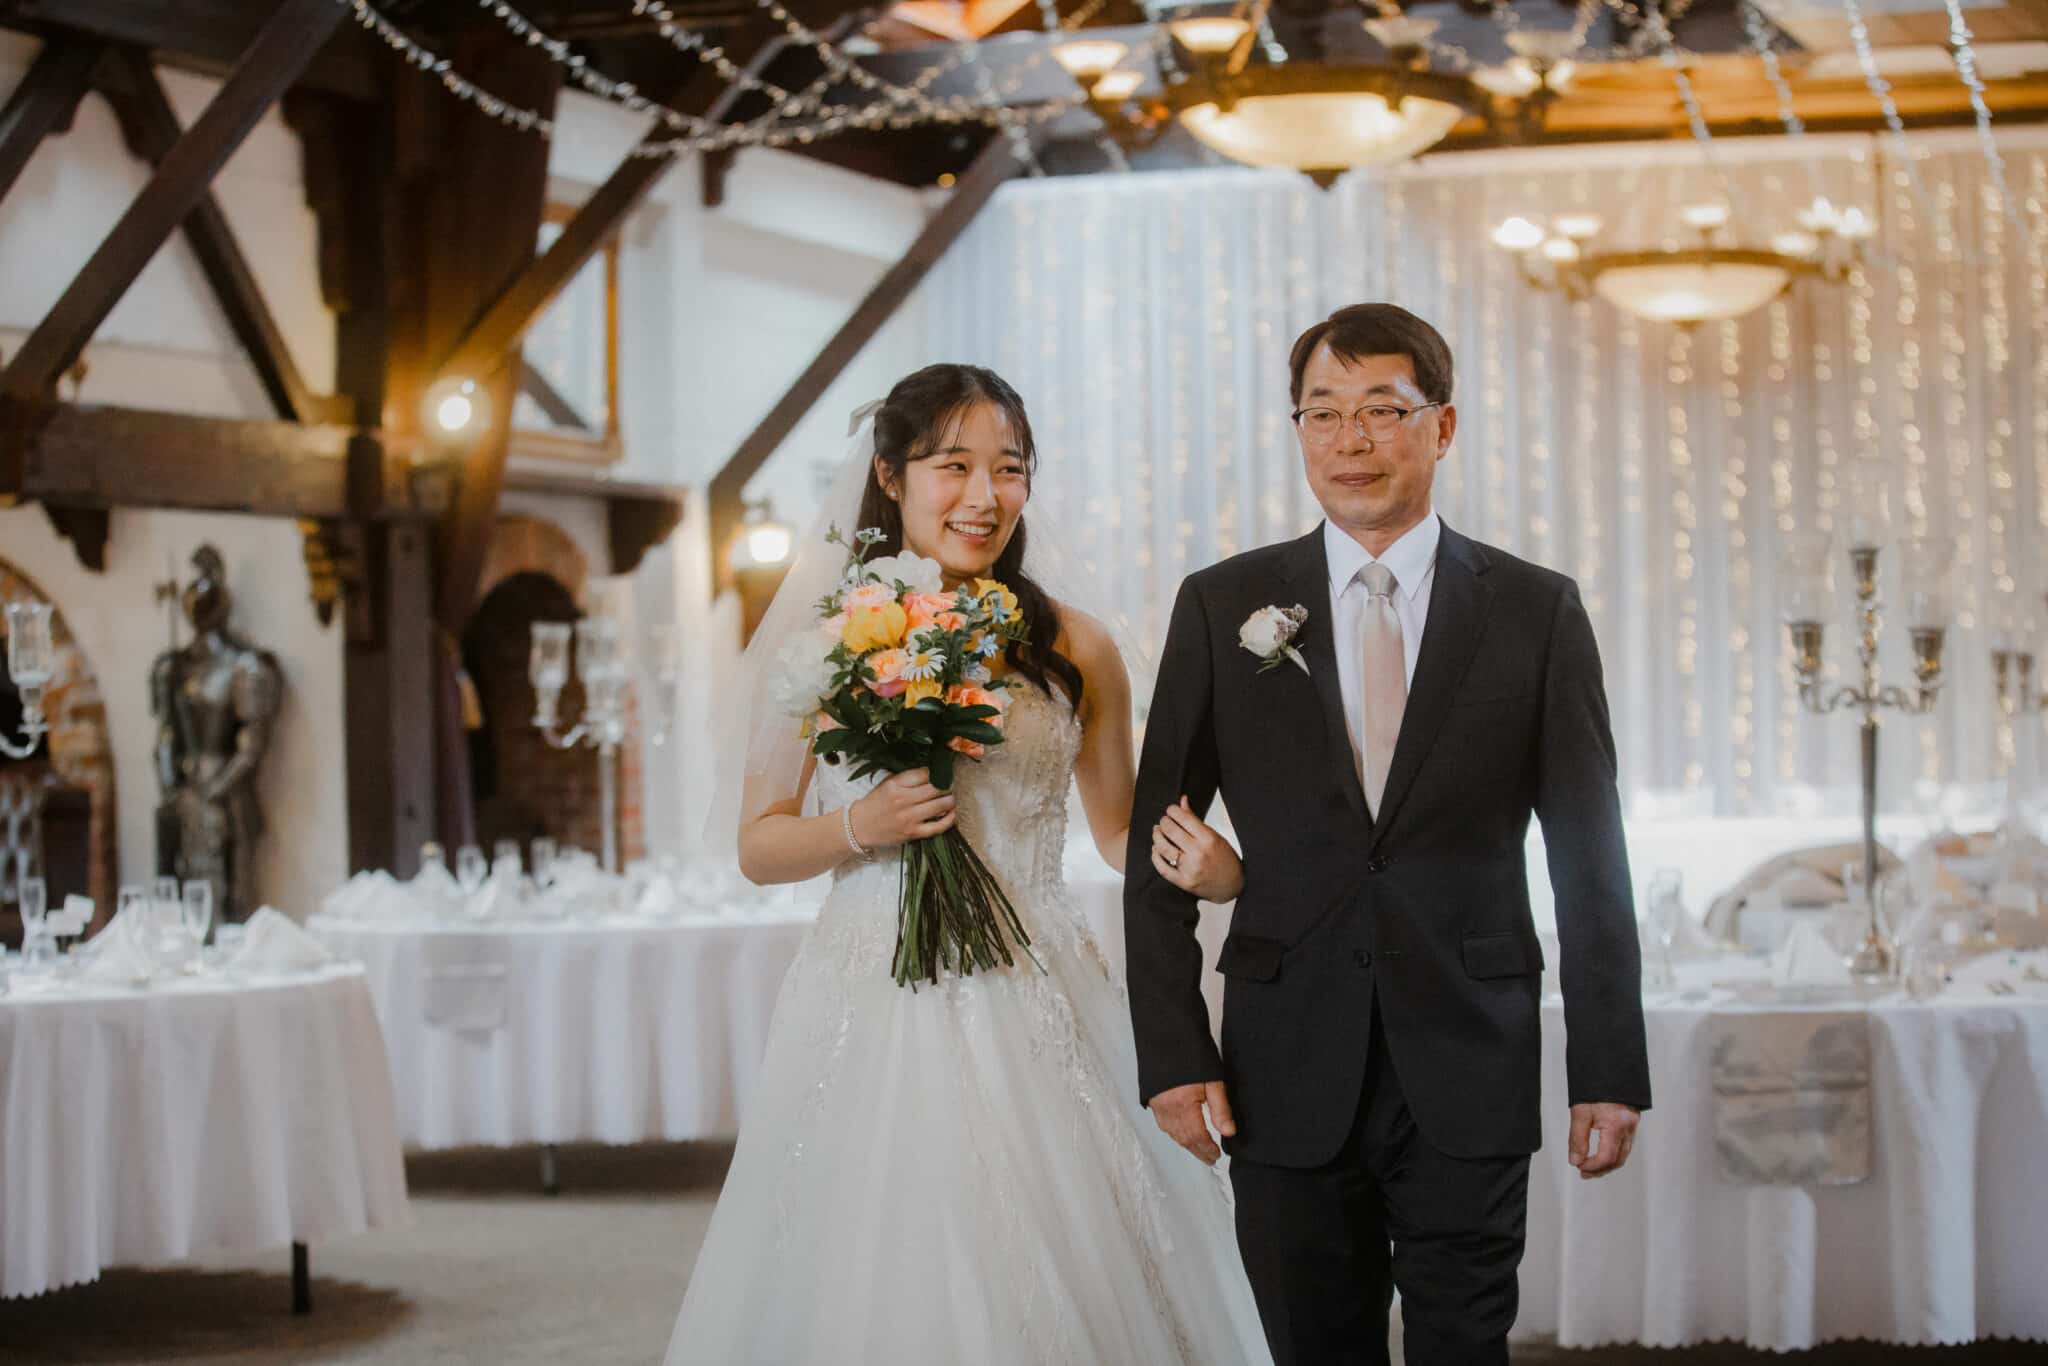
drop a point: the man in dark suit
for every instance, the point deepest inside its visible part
(1378, 1084)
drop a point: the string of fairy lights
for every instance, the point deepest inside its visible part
(806, 116)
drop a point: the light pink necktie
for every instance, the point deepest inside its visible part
(1384, 676)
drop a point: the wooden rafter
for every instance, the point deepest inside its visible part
(286, 42)
(513, 313)
(151, 128)
(560, 410)
(84, 456)
(995, 164)
(43, 103)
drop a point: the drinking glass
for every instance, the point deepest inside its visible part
(470, 869)
(543, 859)
(502, 850)
(198, 910)
(36, 949)
(1667, 915)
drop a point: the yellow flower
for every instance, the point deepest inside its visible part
(875, 628)
(919, 690)
(1002, 603)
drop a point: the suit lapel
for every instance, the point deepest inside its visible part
(1308, 572)
(1458, 606)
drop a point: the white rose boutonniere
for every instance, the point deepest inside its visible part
(1269, 633)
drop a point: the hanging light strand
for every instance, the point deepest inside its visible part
(512, 115)
(1966, 66)
(1788, 114)
(1859, 36)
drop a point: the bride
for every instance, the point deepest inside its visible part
(960, 1175)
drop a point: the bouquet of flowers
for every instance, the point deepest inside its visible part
(902, 676)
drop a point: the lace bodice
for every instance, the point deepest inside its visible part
(1013, 809)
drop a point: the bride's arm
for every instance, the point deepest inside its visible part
(1105, 770)
(780, 844)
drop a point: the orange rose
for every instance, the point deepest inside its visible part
(972, 749)
(968, 695)
(933, 609)
(888, 666)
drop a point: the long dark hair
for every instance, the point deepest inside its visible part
(910, 425)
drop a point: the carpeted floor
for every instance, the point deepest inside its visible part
(494, 1273)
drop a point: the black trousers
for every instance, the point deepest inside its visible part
(1326, 1247)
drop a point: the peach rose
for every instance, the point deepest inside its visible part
(968, 695)
(934, 609)
(867, 595)
(888, 666)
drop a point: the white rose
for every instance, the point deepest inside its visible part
(911, 570)
(802, 675)
(1265, 631)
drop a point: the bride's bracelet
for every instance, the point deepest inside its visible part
(846, 824)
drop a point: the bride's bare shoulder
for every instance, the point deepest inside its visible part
(1087, 642)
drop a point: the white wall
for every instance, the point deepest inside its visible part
(721, 311)
(166, 346)
(121, 629)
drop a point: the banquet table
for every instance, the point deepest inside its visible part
(146, 1125)
(1945, 1242)
(618, 1029)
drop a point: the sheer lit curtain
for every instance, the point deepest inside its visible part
(1146, 319)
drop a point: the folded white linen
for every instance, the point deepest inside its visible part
(273, 944)
(1806, 958)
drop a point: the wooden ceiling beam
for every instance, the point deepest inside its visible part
(996, 164)
(206, 35)
(94, 457)
(43, 103)
(151, 129)
(287, 41)
(516, 308)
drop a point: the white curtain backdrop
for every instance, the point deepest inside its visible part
(1146, 320)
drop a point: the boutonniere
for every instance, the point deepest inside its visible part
(1269, 633)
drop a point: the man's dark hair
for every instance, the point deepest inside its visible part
(1361, 330)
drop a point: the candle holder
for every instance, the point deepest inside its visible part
(1925, 568)
(31, 659)
(598, 662)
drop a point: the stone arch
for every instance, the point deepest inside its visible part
(80, 752)
(528, 545)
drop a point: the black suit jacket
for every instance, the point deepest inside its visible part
(1426, 909)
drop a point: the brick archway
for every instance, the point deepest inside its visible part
(80, 752)
(528, 545)
(519, 786)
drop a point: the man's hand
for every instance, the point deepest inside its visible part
(1179, 1113)
(1612, 1129)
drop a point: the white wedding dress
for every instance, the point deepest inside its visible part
(961, 1176)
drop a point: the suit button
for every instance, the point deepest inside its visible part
(1363, 957)
(1376, 864)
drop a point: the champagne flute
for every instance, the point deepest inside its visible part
(470, 869)
(33, 896)
(198, 910)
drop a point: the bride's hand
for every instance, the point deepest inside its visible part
(902, 808)
(1194, 858)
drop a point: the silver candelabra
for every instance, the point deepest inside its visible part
(1809, 599)
(600, 665)
(31, 660)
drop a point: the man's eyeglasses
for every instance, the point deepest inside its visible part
(1375, 421)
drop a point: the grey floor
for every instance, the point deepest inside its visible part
(495, 1272)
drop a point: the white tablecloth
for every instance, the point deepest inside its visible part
(620, 1031)
(143, 1127)
(1946, 1242)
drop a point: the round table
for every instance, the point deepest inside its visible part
(1943, 1243)
(144, 1126)
(618, 1030)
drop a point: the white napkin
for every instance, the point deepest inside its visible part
(361, 896)
(118, 953)
(659, 901)
(1807, 959)
(273, 944)
(1805, 887)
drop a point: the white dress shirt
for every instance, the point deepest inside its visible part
(1412, 561)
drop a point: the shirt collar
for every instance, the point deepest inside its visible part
(1411, 558)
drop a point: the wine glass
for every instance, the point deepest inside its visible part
(504, 849)
(133, 913)
(198, 910)
(470, 869)
(34, 899)
(1667, 915)
(543, 859)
